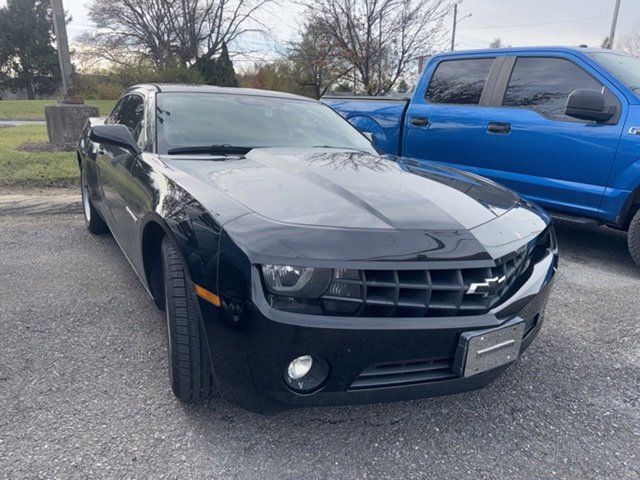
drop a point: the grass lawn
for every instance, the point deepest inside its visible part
(37, 169)
(34, 109)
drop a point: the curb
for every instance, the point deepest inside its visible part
(22, 119)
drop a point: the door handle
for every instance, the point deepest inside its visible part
(497, 127)
(420, 121)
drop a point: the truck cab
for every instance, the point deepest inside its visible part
(559, 125)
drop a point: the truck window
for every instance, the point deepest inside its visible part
(544, 84)
(459, 81)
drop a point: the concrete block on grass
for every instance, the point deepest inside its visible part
(65, 122)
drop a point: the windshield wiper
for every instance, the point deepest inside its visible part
(211, 150)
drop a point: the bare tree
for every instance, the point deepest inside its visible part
(167, 32)
(315, 60)
(380, 39)
(630, 44)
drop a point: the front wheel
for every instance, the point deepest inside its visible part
(633, 238)
(93, 220)
(190, 369)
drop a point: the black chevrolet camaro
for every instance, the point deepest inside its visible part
(299, 266)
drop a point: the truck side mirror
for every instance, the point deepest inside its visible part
(369, 136)
(114, 134)
(587, 104)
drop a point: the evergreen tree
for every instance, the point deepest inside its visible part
(403, 86)
(223, 73)
(27, 55)
(206, 68)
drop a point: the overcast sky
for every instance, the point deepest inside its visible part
(516, 22)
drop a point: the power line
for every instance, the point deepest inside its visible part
(587, 19)
(474, 41)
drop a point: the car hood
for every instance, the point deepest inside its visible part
(347, 189)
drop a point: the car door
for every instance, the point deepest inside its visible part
(447, 118)
(560, 162)
(114, 165)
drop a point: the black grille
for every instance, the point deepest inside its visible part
(420, 293)
(404, 373)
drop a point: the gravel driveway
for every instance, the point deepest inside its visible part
(84, 390)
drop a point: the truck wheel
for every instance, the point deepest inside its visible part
(190, 369)
(95, 223)
(633, 238)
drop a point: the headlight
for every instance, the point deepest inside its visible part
(296, 282)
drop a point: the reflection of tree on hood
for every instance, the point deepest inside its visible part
(350, 161)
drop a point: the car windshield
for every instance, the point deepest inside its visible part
(187, 122)
(624, 67)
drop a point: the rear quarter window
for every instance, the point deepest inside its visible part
(459, 81)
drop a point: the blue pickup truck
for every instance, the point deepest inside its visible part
(559, 125)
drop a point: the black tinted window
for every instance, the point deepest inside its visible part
(459, 81)
(129, 112)
(543, 84)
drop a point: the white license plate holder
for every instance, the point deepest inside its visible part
(483, 350)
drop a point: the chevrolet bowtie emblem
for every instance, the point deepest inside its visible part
(490, 286)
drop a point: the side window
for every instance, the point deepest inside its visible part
(544, 84)
(459, 81)
(130, 112)
(114, 113)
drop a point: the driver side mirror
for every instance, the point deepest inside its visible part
(587, 104)
(114, 134)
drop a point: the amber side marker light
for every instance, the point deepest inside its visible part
(207, 295)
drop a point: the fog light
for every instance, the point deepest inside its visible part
(300, 367)
(306, 374)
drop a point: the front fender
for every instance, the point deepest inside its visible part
(622, 191)
(194, 232)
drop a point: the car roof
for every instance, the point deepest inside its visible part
(557, 48)
(190, 88)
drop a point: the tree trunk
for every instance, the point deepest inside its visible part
(28, 84)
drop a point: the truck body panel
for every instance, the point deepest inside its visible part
(382, 117)
(573, 166)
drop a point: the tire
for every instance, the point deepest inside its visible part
(93, 220)
(633, 238)
(190, 369)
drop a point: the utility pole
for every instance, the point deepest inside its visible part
(455, 21)
(69, 115)
(614, 22)
(64, 57)
(421, 61)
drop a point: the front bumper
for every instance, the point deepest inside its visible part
(250, 357)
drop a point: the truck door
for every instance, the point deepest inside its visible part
(447, 118)
(560, 162)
